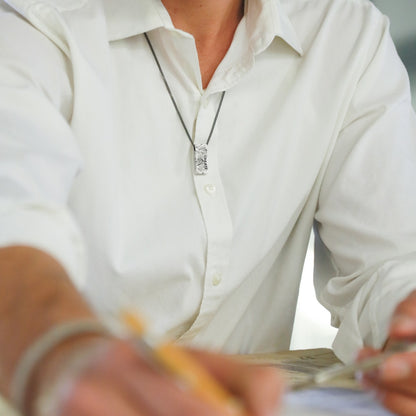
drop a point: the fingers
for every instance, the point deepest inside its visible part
(395, 380)
(397, 373)
(160, 394)
(120, 382)
(403, 325)
(260, 388)
(126, 394)
(155, 393)
(398, 369)
(395, 383)
(93, 397)
(397, 403)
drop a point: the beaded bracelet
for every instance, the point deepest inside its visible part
(41, 347)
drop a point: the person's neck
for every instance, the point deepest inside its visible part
(212, 23)
(205, 19)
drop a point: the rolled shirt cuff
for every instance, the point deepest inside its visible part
(47, 227)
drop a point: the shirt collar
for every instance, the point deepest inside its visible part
(271, 16)
(126, 18)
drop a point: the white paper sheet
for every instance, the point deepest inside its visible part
(332, 402)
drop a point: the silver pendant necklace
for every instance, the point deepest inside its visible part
(200, 150)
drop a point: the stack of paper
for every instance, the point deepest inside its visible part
(341, 397)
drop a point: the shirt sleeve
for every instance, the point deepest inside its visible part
(39, 157)
(365, 258)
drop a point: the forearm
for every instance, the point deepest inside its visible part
(35, 294)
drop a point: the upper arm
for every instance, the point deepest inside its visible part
(39, 155)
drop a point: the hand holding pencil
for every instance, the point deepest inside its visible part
(127, 378)
(186, 369)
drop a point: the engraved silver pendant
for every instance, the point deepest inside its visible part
(201, 159)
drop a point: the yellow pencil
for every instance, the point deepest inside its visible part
(183, 366)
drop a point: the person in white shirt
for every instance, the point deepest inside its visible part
(170, 158)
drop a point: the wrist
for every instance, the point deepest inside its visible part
(47, 355)
(54, 379)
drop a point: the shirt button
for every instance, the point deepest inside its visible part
(205, 102)
(210, 188)
(216, 279)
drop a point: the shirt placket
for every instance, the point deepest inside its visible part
(214, 209)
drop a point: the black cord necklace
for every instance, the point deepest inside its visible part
(200, 150)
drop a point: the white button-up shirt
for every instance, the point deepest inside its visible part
(316, 127)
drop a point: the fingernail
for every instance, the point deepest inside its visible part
(395, 369)
(403, 323)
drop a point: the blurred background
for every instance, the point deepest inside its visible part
(312, 324)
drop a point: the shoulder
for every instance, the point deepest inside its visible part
(23, 5)
(340, 21)
(28, 57)
(338, 32)
(23, 41)
(331, 8)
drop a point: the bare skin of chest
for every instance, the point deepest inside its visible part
(212, 23)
